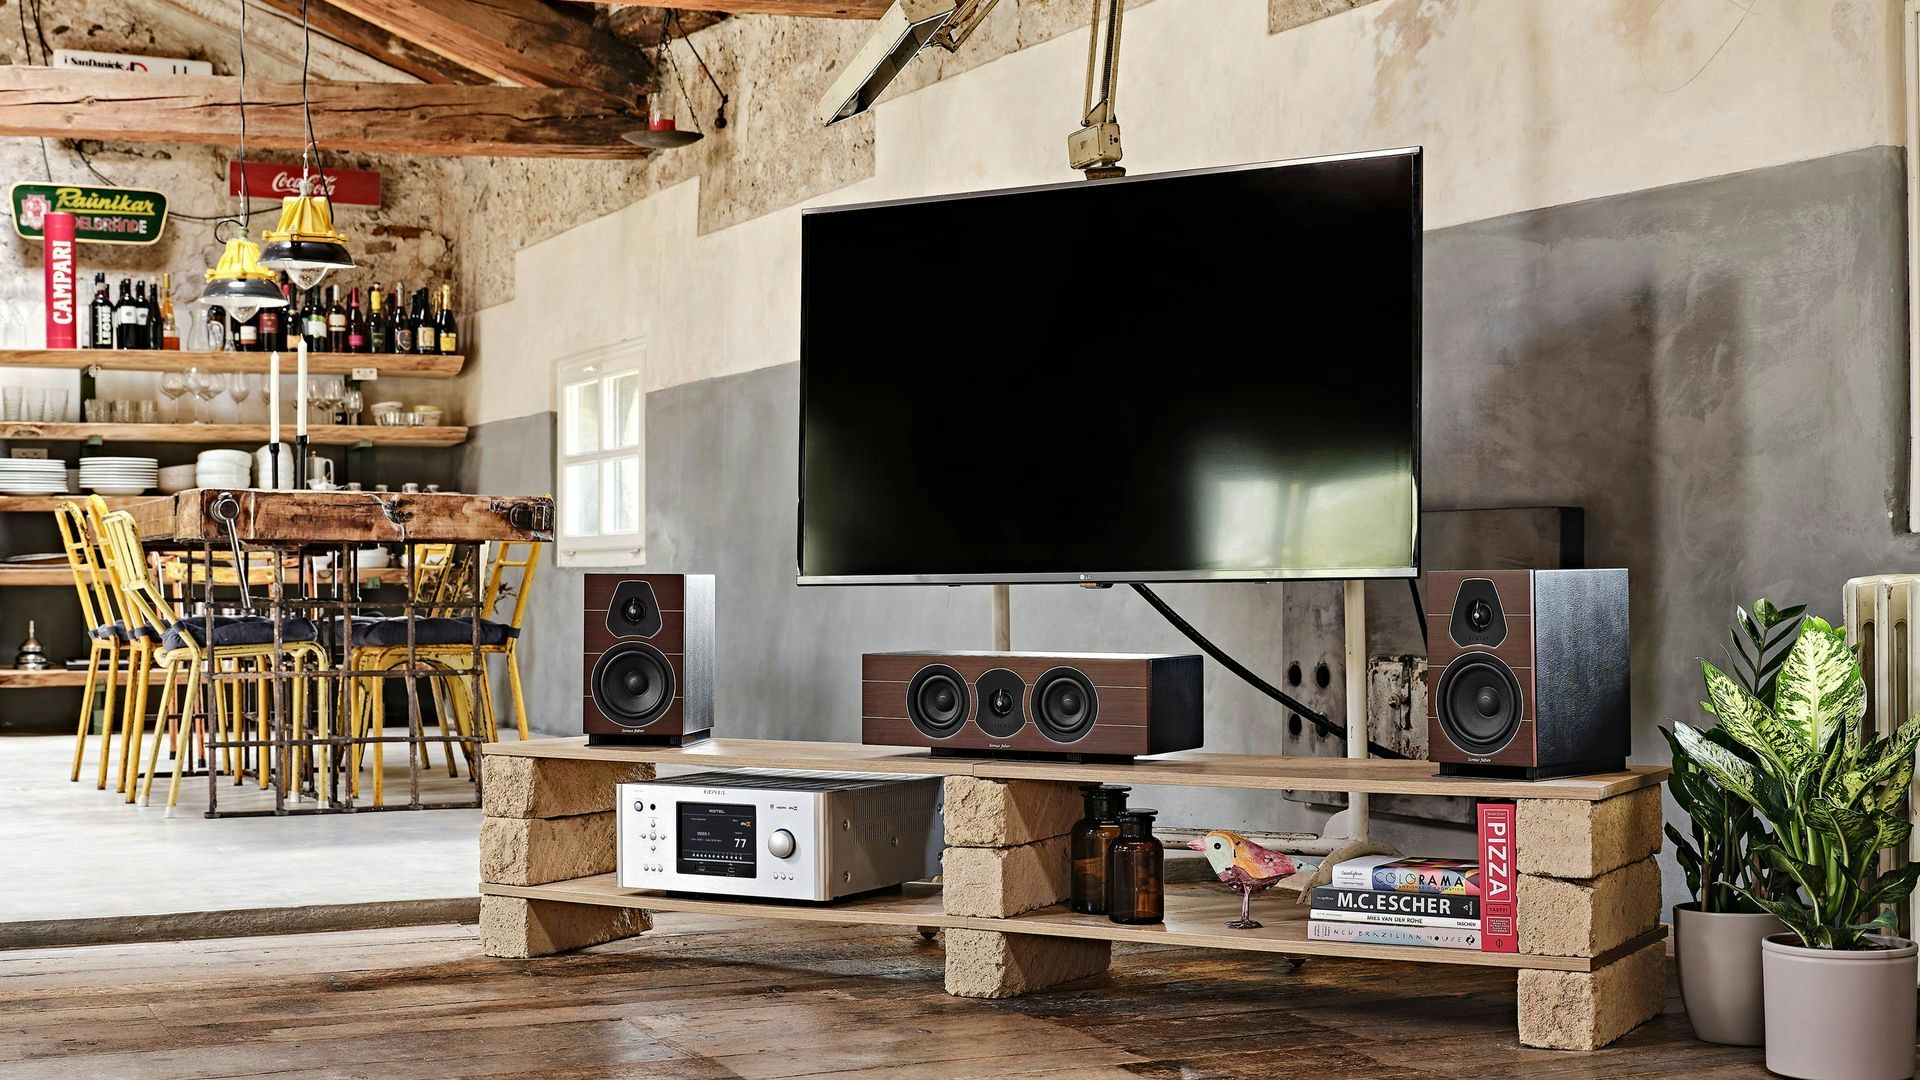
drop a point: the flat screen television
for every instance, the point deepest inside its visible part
(1208, 375)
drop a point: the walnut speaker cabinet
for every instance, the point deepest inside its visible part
(1092, 707)
(649, 659)
(1527, 672)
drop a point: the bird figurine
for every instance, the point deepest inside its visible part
(1246, 868)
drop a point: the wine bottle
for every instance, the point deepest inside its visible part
(169, 326)
(356, 323)
(426, 339)
(101, 334)
(444, 327)
(402, 338)
(336, 321)
(379, 330)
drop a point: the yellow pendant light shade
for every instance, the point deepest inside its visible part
(239, 283)
(305, 244)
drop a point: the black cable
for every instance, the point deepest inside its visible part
(1419, 608)
(1317, 719)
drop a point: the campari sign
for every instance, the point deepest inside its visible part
(101, 215)
(342, 187)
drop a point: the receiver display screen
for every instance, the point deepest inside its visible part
(716, 839)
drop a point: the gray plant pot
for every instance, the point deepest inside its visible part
(1840, 1014)
(1719, 960)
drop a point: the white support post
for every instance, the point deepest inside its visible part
(1355, 595)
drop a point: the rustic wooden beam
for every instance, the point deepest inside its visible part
(519, 42)
(393, 118)
(380, 43)
(646, 27)
(805, 9)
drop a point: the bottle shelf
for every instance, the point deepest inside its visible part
(238, 434)
(390, 365)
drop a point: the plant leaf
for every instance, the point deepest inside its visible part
(1744, 718)
(1819, 688)
(1733, 774)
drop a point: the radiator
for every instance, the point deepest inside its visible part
(1879, 615)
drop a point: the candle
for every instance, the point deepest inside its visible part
(273, 398)
(300, 392)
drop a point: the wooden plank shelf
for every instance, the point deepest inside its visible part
(46, 574)
(1192, 769)
(1196, 917)
(390, 365)
(46, 504)
(12, 679)
(60, 575)
(236, 434)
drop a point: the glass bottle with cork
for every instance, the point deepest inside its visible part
(1136, 881)
(1091, 837)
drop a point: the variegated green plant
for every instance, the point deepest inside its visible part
(1834, 796)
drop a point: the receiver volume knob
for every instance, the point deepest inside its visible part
(780, 844)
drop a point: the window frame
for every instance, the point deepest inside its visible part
(603, 366)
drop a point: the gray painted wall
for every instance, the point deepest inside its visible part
(1714, 370)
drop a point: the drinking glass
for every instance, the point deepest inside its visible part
(9, 403)
(143, 411)
(95, 410)
(121, 411)
(350, 405)
(206, 385)
(174, 385)
(57, 406)
(36, 407)
(240, 388)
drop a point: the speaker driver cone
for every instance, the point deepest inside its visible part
(1064, 704)
(1479, 703)
(633, 684)
(937, 701)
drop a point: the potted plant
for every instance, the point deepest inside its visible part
(1843, 1000)
(1717, 935)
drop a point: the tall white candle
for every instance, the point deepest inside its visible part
(300, 392)
(273, 398)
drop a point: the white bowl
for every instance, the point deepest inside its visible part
(103, 490)
(221, 480)
(238, 458)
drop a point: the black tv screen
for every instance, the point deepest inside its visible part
(1189, 376)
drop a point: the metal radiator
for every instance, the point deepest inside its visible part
(1879, 615)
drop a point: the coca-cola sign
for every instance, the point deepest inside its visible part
(344, 187)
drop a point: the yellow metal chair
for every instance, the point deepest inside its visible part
(104, 632)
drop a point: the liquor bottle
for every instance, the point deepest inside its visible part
(402, 339)
(123, 316)
(156, 322)
(101, 335)
(245, 334)
(270, 321)
(1092, 836)
(1136, 875)
(216, 328)
(379, 330)
(316, 322)
(169, 325)
(336, 321)
(140, 316)
(444, 327)
(426, 339)
(356, 323)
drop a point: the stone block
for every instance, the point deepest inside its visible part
(1576, 838)
(514, 928)
(1586, 918)
(1570, 1010)
(990, 964)
(535, 851)
(998, 882)
(523, 787)
(1002, 813)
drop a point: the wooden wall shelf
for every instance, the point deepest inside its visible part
(243, 434)
(60, 575)
(390, 365)
(1196, 917)
(45, 504)
(11, 679)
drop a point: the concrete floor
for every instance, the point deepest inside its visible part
(70, 851)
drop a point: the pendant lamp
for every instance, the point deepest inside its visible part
(663, 131)
(305, 244)
(238, 283)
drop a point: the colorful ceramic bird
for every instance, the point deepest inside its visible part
(1246, 868)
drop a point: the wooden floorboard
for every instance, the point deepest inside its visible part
(708, 997)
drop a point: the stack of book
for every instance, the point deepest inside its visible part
(1384, 900)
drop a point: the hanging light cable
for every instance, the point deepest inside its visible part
(662, 132)
(238, 282)
(305, 244)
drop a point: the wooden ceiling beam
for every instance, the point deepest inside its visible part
(392, 118)
(805, 9)
(645, 27)
(518, 42)
(380, 43)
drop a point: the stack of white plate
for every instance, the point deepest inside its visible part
(223, 468)
(31, 476)
(119, 475)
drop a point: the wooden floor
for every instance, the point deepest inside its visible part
(708, 997)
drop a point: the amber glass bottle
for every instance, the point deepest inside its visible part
(1092, 835)
(1136, 888)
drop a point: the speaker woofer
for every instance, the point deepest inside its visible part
(633, 684)
(1479, 703)
(1064, 704)
(937, 701)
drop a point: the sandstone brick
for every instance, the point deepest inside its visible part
(1000, 882)
(1586, 918)
(990, 964)
(534, 851)
(523, 787)
(1575, 838)
(1568, 1010)
(515, 928)
(1001, 813)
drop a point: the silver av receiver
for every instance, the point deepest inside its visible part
(779, 835)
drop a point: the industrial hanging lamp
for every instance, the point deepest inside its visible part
(238, 283)
(663, 132)
(305, 244)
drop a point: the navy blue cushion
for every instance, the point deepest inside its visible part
(118, 632)
(237, 630)
(447, 631)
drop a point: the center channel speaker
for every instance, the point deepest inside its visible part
(649, 659)
(1093, 707)
(1528, 672)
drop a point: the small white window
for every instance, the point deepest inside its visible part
(601, 457)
